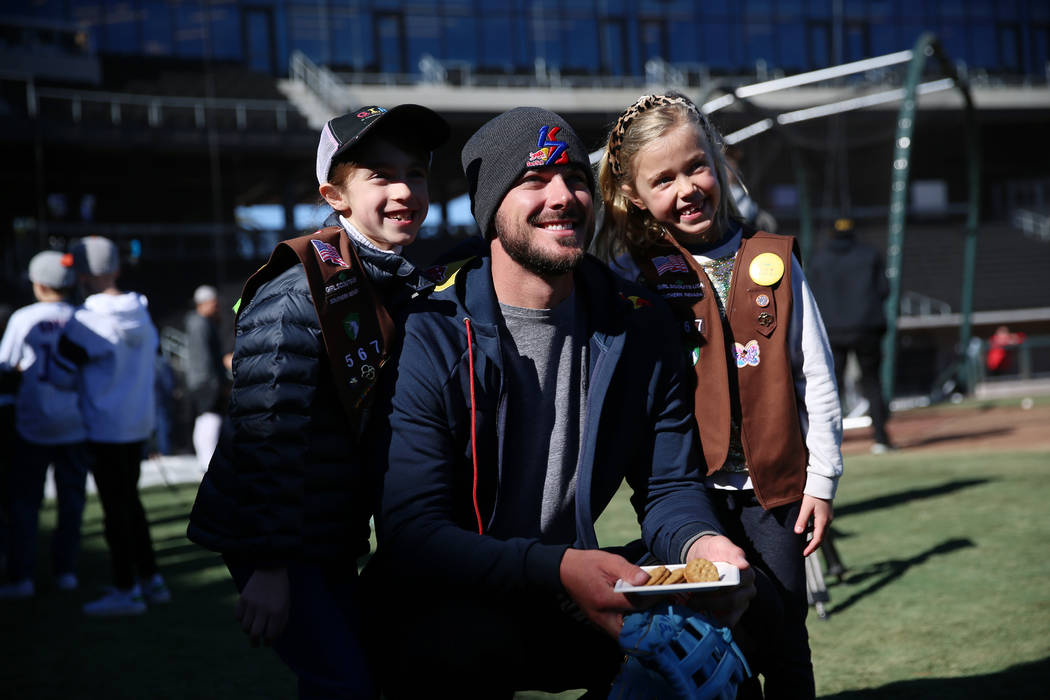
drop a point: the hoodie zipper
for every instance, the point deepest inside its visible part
(473, 424)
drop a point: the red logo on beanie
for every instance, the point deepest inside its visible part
(551, 151)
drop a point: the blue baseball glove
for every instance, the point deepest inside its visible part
(674, 652)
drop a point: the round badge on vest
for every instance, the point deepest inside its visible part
(762, 300)
(766, 269)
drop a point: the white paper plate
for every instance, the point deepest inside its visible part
(728, 575)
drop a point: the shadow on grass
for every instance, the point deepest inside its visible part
(886, 572)
(949, 437)
(157, 515)
(191, 647)
(1021, 681)
(902, 497)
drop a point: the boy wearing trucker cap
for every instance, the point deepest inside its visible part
(286, 499)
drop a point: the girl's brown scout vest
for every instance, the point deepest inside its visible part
(747, 357)
(357, 328)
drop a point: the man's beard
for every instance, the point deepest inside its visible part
(519, 247)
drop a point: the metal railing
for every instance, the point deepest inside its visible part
(322, 82)
(1024, 366)
(915, 304)
(156, 107)
(1035, 224)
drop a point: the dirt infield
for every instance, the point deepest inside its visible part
(982, 426)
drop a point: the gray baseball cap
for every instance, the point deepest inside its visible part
(204, 293)
(52, 269)
(95, 255)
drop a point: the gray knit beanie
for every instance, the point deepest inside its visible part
(507, 145)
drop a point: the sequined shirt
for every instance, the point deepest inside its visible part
(718, 264)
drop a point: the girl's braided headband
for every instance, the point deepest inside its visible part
(644, 103)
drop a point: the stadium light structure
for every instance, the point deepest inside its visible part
(826, 110)
(746, 92)
(818, 76)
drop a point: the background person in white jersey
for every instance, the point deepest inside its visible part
(48, 430)
(107, 352)
(206, 375)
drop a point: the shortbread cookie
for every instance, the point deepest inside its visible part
(700, 571)
(657, 576)
(677, 576)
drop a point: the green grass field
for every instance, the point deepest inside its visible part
(947, 596)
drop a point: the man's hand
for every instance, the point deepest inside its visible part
(821, 512)
(263, 606)
(717, 548)
(589, 576)
(724, 606)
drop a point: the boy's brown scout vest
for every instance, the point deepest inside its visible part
(357, 328)
(752, 362)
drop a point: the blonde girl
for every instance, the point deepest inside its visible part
(765, 399)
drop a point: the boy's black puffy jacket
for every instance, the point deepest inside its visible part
(287, 481)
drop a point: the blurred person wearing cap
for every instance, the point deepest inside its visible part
(848, 279)
(287, 497)
(107, 353)
(528, 389)
(49, 430)
(206, 375)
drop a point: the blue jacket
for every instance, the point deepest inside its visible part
(288, 481)
(639, 426)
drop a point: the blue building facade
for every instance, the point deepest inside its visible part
(602, 38)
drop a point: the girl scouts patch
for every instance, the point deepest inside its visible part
(746, 354)
(352, 325)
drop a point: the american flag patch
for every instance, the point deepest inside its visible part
(670, 263)
(328, 253)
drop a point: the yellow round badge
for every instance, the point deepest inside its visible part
(766, 269)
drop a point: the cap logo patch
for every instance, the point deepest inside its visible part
(328, 253)
(635, 301)
(369, 113)
(550, 150)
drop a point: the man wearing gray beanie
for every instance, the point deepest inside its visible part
(501, 150)
(531, 384)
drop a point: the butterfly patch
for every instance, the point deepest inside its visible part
(746, 354)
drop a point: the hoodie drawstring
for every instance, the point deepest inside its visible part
(473, 425)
